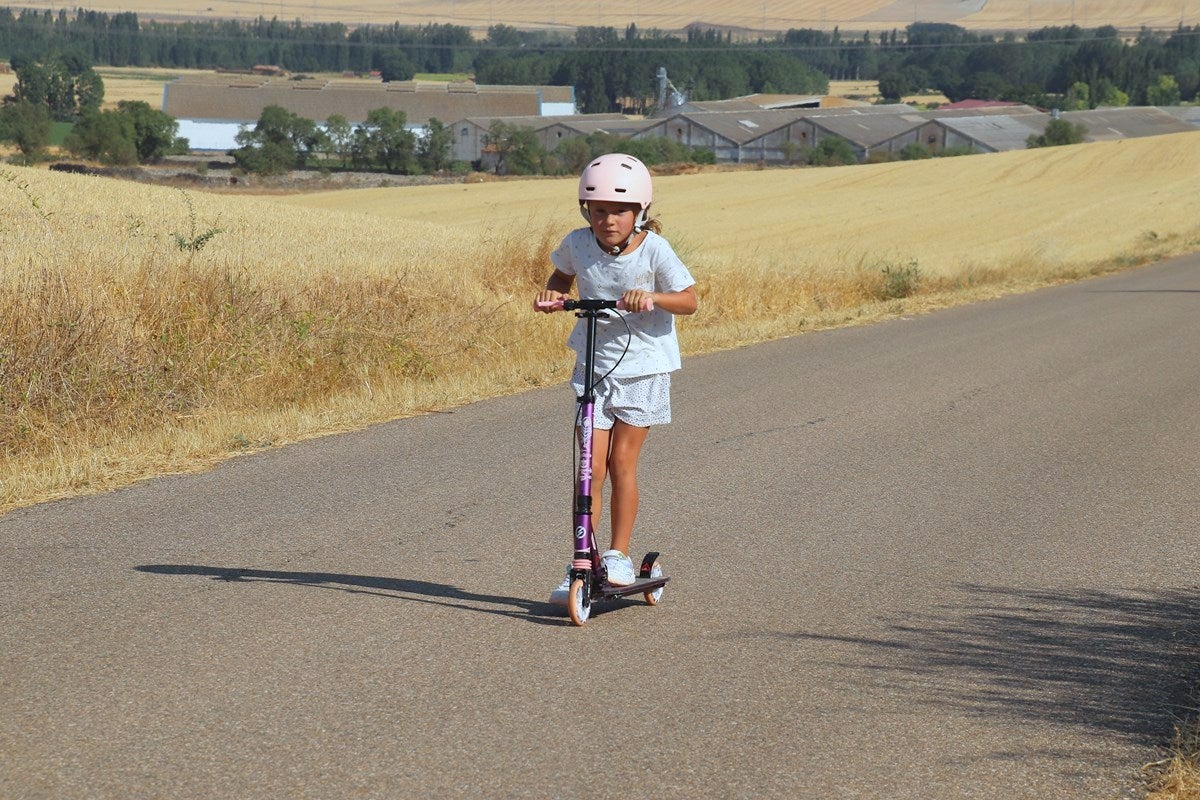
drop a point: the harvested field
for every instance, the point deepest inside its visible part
(848, 15)
(148, 330)
(1059, 206)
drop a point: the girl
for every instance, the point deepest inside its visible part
(621, 256)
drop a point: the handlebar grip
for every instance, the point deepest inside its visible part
(646, 306)
(593, 305)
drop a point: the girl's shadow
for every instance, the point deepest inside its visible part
(395, 588)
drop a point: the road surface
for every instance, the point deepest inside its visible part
(946, 556)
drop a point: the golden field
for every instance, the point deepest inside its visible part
(779, 15)
(1066, 207)
(148, 330)
(148, 83)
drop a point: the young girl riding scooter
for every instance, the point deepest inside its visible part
(621, 256)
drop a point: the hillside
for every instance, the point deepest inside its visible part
(849, 15)
(149, 330)
(1059, 205)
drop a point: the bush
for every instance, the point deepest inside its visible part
(833, 151)
(899, 282)
(1058, 132)
(915, 152)
(27, 125)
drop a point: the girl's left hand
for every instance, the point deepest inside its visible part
(637, 299)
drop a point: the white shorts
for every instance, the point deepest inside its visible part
(641, 402)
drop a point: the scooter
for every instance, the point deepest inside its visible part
(589, 581)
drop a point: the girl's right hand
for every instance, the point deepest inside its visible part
(547, 296)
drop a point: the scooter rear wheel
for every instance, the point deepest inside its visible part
(579, 602)
(653, 596)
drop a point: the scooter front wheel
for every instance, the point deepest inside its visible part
(653, 596)
(579, 601)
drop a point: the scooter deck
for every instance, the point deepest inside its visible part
(637, 587)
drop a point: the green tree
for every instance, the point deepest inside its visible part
(395, 66)
(915, 151)
(89, 91)
(339, 136)
(1163, 92)
(573, 155)
(103, 136)
(1187, 75)
(66, 85)
(1109, 96)
(388, 141)
(894, 85)
(517, 149)
(155, 133)
(833, 151)
(1078, 97)
(1058, 132)
(433, 151)
(279, 141)
(28, 126)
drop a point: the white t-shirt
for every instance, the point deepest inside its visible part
(654, 267)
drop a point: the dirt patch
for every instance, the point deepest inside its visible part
(218, 175)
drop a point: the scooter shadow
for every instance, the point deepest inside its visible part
(439, 594)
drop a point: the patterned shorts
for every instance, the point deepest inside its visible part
(640, 402)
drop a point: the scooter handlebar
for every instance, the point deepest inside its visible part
(568, 304)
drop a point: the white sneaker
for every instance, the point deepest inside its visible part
(562, 594)
(619, 568)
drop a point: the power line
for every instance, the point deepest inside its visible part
(169, 31)
(746, 23)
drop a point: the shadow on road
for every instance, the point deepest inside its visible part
(440, 594)
(1120, 663)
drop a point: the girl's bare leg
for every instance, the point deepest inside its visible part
(624, 448)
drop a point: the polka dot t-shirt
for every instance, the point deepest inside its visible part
(654, 267)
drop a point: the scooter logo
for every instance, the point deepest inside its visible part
(580, 536)
(585, 462)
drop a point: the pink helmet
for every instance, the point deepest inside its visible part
(616, 177)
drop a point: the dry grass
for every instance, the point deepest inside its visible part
(138, 83)
(146, 330)
(868, 92)
(1058, 208)
(123, 355)
(1178, 776)
(1086, 13)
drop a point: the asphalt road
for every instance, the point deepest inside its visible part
(949, 556)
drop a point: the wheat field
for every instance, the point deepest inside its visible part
(773, 16)
(149, 330)
(1062, 206)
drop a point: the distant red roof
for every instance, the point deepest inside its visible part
(979, 104)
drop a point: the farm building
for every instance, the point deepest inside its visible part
(735, 136)
(470, 133)
(993, 133)
(750, 102)
(982, 127)
(211, 109)
(1107, 124)
(778, 136)
(741, 135)
(1188, 114)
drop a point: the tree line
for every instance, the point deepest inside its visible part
(615, 69)
(282, 140)
(68, 89)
